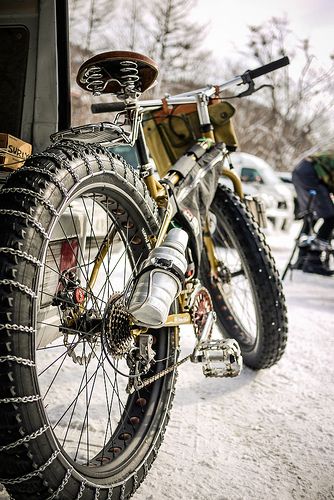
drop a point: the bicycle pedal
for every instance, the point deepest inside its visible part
(221, 358)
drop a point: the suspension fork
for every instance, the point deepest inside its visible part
(208, 243)
(237, 185)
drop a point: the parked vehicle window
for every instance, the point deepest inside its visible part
(250, 175)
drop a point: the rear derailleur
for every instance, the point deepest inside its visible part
(140, 360)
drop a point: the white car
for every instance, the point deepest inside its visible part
(260, 179)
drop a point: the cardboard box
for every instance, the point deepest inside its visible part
(13, 152)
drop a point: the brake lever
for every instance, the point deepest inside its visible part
(251, 89)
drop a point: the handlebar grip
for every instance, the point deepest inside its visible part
(107, 107)
(267, 68)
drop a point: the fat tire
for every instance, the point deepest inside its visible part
(32, 462)
(233, 217)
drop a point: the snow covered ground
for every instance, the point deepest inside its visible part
(265, 435)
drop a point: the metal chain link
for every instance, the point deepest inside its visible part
(29, 192)
(161, 374)
(122, 497)
(96, 155)
(62, 486)
(31, 474)
(111, 157)
(22, 399)
(145, 469)
(78, 149)
(110, 492)
(53, 178)
(61, 162)
(135, 482)
(25, 439)
(97, 494)
(23, 255)
(20, 286)
(17, 328)
(23, 215)
(21, 361)
(81, 490)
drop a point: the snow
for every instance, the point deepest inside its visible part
(265, 435)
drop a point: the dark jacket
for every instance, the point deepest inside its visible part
(323, 164)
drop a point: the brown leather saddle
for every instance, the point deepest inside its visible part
(117, 72)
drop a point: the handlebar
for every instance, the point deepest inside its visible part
(268, 68)
(191, 96)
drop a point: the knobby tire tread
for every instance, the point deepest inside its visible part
(34, 468)
(266, 282)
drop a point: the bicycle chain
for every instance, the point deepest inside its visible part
(161, 374)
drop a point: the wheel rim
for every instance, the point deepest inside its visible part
(98, 425)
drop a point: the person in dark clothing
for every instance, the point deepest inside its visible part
(315, 175)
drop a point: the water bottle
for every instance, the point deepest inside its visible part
(160, 280)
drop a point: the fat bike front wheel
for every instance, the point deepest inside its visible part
(75, 225)
(246, 290)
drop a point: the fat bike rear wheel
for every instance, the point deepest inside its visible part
(246, 292)
(75, 225)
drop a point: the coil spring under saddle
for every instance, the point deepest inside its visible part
(94, 80)
(129, 76)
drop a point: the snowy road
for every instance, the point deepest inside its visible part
(263, 436)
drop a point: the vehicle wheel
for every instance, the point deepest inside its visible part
(69, 428)
(247, 293)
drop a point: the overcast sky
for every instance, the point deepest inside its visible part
(228, 21)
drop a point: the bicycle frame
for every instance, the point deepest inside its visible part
(133, 109)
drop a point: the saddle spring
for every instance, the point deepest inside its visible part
(129, 77)
(94, 80)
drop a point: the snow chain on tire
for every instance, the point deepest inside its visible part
(33, 464)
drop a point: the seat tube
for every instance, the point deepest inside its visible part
(146, 169)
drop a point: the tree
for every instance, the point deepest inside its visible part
(161, 30)
(89, 21)
(291, 117)
(174, 43)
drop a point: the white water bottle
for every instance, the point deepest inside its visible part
(160, 280)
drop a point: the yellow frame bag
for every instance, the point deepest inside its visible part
(170, 132)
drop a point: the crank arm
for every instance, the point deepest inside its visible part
(206, 332)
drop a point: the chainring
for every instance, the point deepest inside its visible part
(200, 308)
